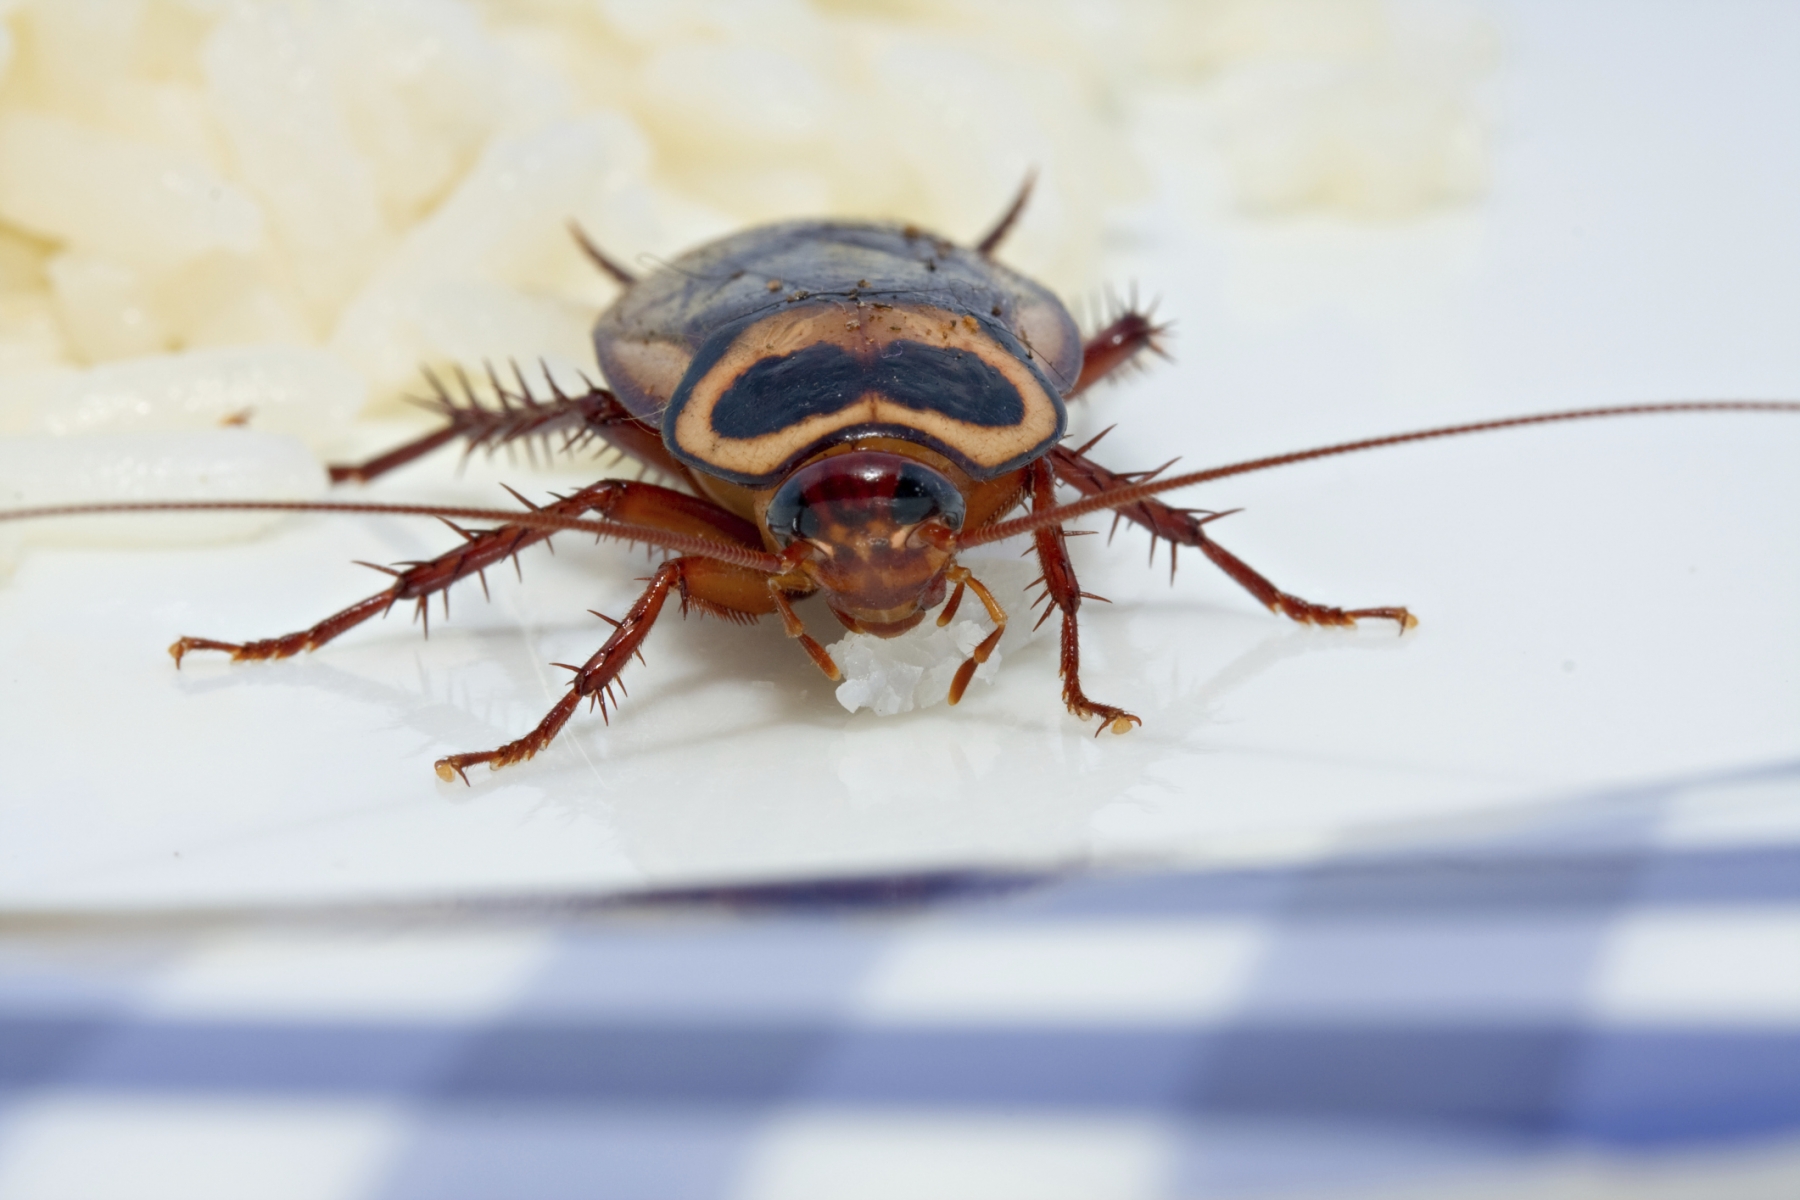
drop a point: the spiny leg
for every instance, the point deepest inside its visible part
(716, 588)
(593, 681)
(1114, 347)
(516, 414)
(617, 499)
(1117, 346)
(1184, 528)
(1064, 593)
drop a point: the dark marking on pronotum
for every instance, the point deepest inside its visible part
(775, 393)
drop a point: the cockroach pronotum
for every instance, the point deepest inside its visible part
(835, 408)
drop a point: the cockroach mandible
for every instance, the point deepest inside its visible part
(844, 406)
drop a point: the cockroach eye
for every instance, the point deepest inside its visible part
(865, 490)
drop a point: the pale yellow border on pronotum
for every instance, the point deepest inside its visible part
(862, 330)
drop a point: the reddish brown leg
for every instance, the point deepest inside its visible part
(796, 629)
(704, 583)
(1116, 346)
(1184, 528)
(617, 499)
(962, 577)
(570, 422)
(1063, 592)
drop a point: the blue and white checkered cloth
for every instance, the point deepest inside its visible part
(1598, 998)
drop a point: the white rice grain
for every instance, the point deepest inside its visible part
(128, 200)
(460, 287)
(44, 469)
(303, 393)
(896, 675)
(269, 83)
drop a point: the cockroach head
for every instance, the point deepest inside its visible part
(877, 531)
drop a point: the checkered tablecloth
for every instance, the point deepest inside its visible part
(1595, 996)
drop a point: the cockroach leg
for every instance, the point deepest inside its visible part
(593, 680)
(417, 581)
(706, 585)
(792, 625)
(614, 499)
(638, 503)
(514, 413)
(293, 643)
(398, 457)
(948, 613)
(1276, 600)
(1117, 346)
(1183, 528)
(1064, 593)
(960, 576)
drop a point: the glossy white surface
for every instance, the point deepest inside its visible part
(1600, 603)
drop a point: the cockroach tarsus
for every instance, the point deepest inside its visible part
(817, 451)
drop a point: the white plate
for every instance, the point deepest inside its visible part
(1601, 604)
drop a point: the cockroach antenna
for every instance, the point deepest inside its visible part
(1129, 494)
(536, 519)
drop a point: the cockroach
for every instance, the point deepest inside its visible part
(836, 408)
